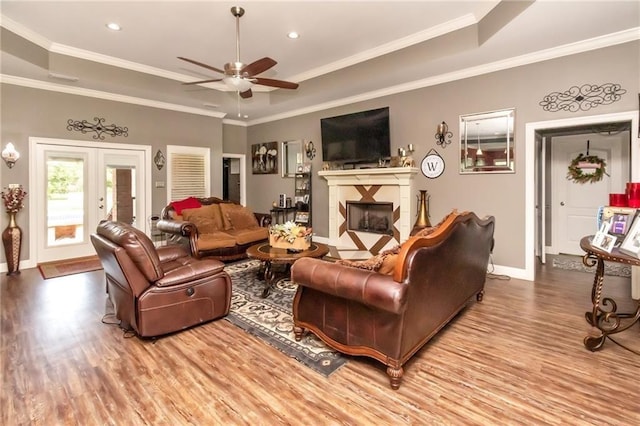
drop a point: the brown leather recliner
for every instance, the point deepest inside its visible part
(158, 291)
(390, 317)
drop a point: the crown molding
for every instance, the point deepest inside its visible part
(626, 36)
(80, 91)
(419, 37)
(24, 32)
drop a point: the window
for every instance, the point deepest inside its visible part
(188, 172)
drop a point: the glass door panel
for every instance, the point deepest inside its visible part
(65, 200)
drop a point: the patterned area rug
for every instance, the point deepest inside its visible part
(61, 268)
(574, 263)
(271, 319)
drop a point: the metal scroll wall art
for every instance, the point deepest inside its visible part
(582, 98)
(98, 127)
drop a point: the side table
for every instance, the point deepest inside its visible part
(605, 316)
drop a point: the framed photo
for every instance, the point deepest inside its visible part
(631, 243)
(302, 217)
(264, 158)
(604, 240)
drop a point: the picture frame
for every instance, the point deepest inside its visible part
(631, 243)
(603, 239)
(620, 223)
(264, 158)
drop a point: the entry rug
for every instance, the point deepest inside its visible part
(271, 319)
(574, 263)
(61, 268)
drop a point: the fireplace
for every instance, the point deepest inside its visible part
(374, 217)
(379, 189)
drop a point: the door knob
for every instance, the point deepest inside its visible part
(562, 203)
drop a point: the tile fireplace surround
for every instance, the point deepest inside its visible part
(391, 184)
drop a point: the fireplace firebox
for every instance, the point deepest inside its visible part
(373, 217)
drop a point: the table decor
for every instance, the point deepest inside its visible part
(290, 236)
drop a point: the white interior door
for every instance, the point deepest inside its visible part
(574, 205)
(76, 187)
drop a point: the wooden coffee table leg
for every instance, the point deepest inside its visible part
(269, 276)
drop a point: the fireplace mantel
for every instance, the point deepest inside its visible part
(390, 184)
(374, 176)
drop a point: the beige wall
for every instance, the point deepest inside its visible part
(27, 112)
(415, 114)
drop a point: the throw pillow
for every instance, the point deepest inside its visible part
(207, 219)
(236, 216)
(187, 203)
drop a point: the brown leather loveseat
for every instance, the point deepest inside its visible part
(212, 227)
(158, 291)
(389, 317)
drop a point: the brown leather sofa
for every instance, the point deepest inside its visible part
(158, 291)
(389, 317)
(214, 228)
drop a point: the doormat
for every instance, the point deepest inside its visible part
(60, 268)
(574, 263)
(271, 319)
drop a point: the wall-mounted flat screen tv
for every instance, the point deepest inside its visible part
(360, 137)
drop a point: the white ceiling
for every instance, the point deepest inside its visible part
(347, 50)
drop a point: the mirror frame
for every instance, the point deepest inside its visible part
(292, 155)
(495, 131)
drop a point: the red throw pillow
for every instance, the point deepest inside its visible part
(187, 203)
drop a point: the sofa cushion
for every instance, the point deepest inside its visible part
(187, 203)
(207, 219)
(250, 235)
(235, 216)
(215, 240)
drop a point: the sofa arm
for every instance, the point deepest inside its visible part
(177, 227)
(366, 287)
(192, 271)
(264, 219)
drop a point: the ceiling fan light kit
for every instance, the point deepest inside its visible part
(238, 76)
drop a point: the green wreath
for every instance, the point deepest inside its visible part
(576, 174)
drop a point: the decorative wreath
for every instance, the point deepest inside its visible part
(576, 173)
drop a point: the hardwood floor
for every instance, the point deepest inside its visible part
(516, 358)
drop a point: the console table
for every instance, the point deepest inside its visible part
(605, 316)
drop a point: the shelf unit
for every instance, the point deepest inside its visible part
(302, 198)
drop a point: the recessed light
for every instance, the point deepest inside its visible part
(113, 26)
(293, 35)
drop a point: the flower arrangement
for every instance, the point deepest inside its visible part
(13, 198)
(289, 231)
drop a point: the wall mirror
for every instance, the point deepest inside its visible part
(486, 142)
(291, 157)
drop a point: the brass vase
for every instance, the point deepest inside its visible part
(12, 241)
(423, 213)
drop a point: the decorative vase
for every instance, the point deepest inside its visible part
(423, 213)
(12, 241)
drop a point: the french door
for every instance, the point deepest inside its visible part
(79, 185)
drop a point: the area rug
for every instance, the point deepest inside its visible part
(271, 320)
(574, 263)
(61, 268)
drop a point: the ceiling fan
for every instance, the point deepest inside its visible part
(241, 77)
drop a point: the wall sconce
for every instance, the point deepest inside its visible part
(443, 135)
(159, 160)
(10, 155)
(310, 150)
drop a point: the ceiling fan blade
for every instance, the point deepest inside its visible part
(275, 83)
(246, 94)
(209, 67)
(259, 66)
(202, 81)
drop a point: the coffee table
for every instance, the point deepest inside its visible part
(270, 256)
